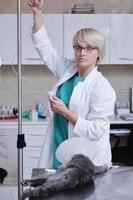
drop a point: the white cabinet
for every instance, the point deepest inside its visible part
(8, 37)
(117, 29)
(11, 143)
(8, 151)
(54, 26)
(121, 39)
(72, 23)
(3, 148)
(34, 137)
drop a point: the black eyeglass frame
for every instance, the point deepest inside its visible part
(87, 49)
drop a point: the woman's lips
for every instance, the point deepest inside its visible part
(82, 60)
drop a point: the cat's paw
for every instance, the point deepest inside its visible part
(105, 168)
(101, 169)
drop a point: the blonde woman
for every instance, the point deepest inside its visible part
(82, 100)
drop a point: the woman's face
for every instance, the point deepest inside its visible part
(85, 56)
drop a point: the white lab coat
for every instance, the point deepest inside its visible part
(92, 100)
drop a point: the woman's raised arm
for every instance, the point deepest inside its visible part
(36, 7)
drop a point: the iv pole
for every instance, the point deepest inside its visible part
(20, 137)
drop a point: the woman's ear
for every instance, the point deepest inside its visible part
(97, 60)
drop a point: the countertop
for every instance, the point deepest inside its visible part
(39, 121)
(113, 120)
(118, 120)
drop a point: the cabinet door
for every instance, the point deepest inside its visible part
(72, 23)
(34, 137)
(54, 26)
(11, 132)
(3, 149)
(121, 40)
(8, 38)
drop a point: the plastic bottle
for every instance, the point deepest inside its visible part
(34, 115)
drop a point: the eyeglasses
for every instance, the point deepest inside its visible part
(87, 49)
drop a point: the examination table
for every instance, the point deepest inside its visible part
(116, 184)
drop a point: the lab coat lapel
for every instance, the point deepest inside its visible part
(68, 75)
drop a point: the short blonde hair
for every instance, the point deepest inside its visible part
(91, 37)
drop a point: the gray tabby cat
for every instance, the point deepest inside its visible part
(78, 171)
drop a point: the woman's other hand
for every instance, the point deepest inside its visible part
(57, 105)
(36, 5)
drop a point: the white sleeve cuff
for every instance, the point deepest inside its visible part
(39, 36)
(93, 130)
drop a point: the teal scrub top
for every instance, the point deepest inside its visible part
(61, 123)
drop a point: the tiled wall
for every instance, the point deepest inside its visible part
(121, 78)
(38, 80)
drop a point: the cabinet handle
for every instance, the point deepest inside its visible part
(125, 58)
(36, 157)
(33, 58)
(34, 145)
(36, 135)
(3, 59)
(3, 145)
